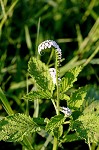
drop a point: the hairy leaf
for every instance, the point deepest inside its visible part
(37, 95)
(69, 79)
(87, 125)
(77, 98)
(13, 128)
(40, 73)
(54, 123)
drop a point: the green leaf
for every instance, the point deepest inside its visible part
(14, 128)
(39, 121)
(37, 95)
(70, 137)
(40, 73)
(54, 123)
(64, 96)
(92, 92)
(87, 125)
(69, 79)
(5, 103)
(77, 98)
(92, 95)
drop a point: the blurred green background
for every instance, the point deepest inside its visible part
(24, 24)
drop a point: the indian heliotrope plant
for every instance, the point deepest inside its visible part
(48, 87)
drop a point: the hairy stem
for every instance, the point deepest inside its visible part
(55, 143)
(57, 82)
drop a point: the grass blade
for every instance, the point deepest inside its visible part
(5, 103)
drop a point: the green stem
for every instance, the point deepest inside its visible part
(57, 82)
(36, 108)
(93, 146)
(89, 144)
(55, 143)
(54, 105)
(49, 139)
(51, 55)
(27, 102)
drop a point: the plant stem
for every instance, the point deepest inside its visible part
(55, 143)
(57, 82)
(36, 108)
(89, 144)
(27, 103)
(93, 146)
(49, 139)
(51, 55)
(54, 105)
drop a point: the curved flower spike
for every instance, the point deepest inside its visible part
(66, 111)
(49, 44)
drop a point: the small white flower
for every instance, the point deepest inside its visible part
(53, 74)
(48, 44)
(66, 111)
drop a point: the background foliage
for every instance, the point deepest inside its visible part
(73, 24)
